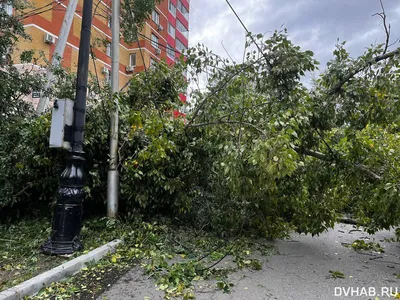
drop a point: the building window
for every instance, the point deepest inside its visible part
(109, 21)
(108, 49)
(180, 46)
(5, 57)
(108, 76)
(171, 8)
(179, 5)
(170, 52)
(183, 9)
(7, 7)
(132, 59)
(155, 17)
(154, 40)
(182, 29)
(153, 62)
(171, 30)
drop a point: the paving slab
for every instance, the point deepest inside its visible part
(133, 285)
(300, 271)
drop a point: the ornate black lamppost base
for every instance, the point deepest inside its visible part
(62, 248)
(67, 220)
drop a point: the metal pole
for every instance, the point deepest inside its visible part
(67, 219)
(113, 182)
(58, 52)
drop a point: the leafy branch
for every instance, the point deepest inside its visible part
(330, 158)
(364, 65)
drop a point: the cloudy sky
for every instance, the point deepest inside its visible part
(313, 24)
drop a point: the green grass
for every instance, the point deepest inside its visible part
(20, 255)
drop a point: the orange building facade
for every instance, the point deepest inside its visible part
(164, 37)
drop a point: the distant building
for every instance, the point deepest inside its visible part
(164, 36)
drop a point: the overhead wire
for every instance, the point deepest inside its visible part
(38, 11)
(35, 10)
(140, 34)
(54, 4)
(166, 46)
(249, 34)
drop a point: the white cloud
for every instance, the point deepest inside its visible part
(313, 24)
(369, 37)
(397, 11)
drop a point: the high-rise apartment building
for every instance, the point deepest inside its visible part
(164, 36)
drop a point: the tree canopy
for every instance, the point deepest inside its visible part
(259, 149)
(303, 154)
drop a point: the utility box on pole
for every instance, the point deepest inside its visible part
(61, 124)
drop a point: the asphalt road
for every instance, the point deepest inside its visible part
(301, 271)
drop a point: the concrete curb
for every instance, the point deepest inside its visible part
(33, 285)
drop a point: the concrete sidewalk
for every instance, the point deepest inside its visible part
(300, 271)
